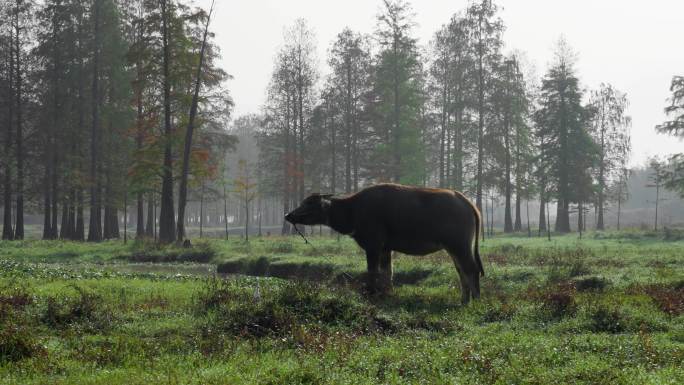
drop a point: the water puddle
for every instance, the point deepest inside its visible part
(170, 269)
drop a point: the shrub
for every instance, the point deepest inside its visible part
(283, 246)
(13, 298)
(566, 264)
(557, 301)
(673, 235)
(560, 303)
(606, 320)
(276, 309)
(498, 312)
(143, 251)
(591, 284)
(86, 310)
(669, 299)
(17, 341)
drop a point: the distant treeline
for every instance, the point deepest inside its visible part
(118, 106)
(96, 104)
(461, 113)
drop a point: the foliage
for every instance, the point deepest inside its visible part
(79, 313)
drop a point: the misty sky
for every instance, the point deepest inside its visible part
(637, 46)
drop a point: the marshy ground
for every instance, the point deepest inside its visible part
(608, 309)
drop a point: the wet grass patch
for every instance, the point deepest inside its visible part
(668, 297)
(278, 309)
(200, 253)
(18, 340)
(86, 311)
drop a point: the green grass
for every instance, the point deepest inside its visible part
(605, 310)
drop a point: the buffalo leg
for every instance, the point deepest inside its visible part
(386, 270)
(475, 283)
(467, 272)
(465, 287)
(372, 261)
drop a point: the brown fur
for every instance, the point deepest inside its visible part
(411, 220)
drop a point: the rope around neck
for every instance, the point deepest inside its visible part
(352, 279)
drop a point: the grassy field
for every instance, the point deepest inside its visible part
(608, 309)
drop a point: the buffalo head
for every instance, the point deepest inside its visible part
(314, 210)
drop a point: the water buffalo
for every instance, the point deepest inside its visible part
(411, 220)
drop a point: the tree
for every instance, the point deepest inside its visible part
(19, 22)
(288, 111)
(610, 130)
(620, 190)
(399, 98)
(183, 190)
(675, 109)
(657, 179)
(167, 228)
(350, 61)
(245, 191)
(507, 136)
(569, 149)
(486, 31)
(451, 84)
(7, 41)
(675, 127)
(95, 227)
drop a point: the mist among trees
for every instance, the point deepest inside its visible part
(115, 116)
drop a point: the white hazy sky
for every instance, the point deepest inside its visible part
(635, 45)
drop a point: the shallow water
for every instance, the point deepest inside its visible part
(162, 268)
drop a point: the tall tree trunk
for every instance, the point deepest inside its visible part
(600, 221)
(657, 202)
(619, 210)
(355, 155)
(201, 218)
(149, 229)
(259, 208)
(302, 191)
(71, 222)
(529, 229)
(601, 180)
(458, 152)
(225, 209)
(333, 156)
(64, 226)
(95, 226)
(508, 219)
(396, 133)
(183, 190)
(288, 165)
(480, 112)
(79, 225)
(443, 132)
(517, 226)
(246, 220)
(580, 218)
(125, 218)
(167, 233)
(80, 221)
(47, 200)
(348, 131)
(542, 213)
(140, 216)
(7, 229)
(111, 216)
(19, 224)
(140, 200)
(55, 129)
(55, 199)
